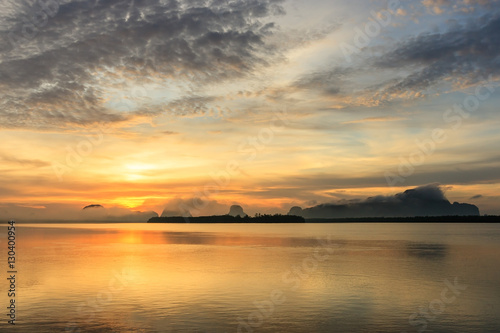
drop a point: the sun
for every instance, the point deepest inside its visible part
(137, 171)
(129, 202)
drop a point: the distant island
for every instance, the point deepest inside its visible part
(277, 218)
(410, 219)
(421, 204)
(427, 200)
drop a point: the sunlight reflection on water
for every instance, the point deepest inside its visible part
(257, 278)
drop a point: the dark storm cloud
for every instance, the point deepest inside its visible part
(53, 69)
(428, 200)
(469, 53)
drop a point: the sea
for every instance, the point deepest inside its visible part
(307, 277)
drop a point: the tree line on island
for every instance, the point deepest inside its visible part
(258, 218)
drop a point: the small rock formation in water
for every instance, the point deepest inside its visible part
(237, 210)
(295, 210)
(92, 206)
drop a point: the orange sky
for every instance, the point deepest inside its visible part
(268, 109)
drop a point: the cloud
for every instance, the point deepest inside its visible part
(169, 132)
(327, 82)
(468, 53)
(373, 119)
(60, 75)
(303, 185)
(193, 207)
(436, 6)
(462, 56)
(185, 106)
(427, 200)
(439, 7)
(23, 161)
(478, 196)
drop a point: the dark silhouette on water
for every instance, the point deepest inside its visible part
(427, 200)
(411, 219)
(277, 218)
(92, 206)
(237, 210)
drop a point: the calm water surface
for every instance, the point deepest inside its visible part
(256, 278)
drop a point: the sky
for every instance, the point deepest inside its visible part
(268, 104)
